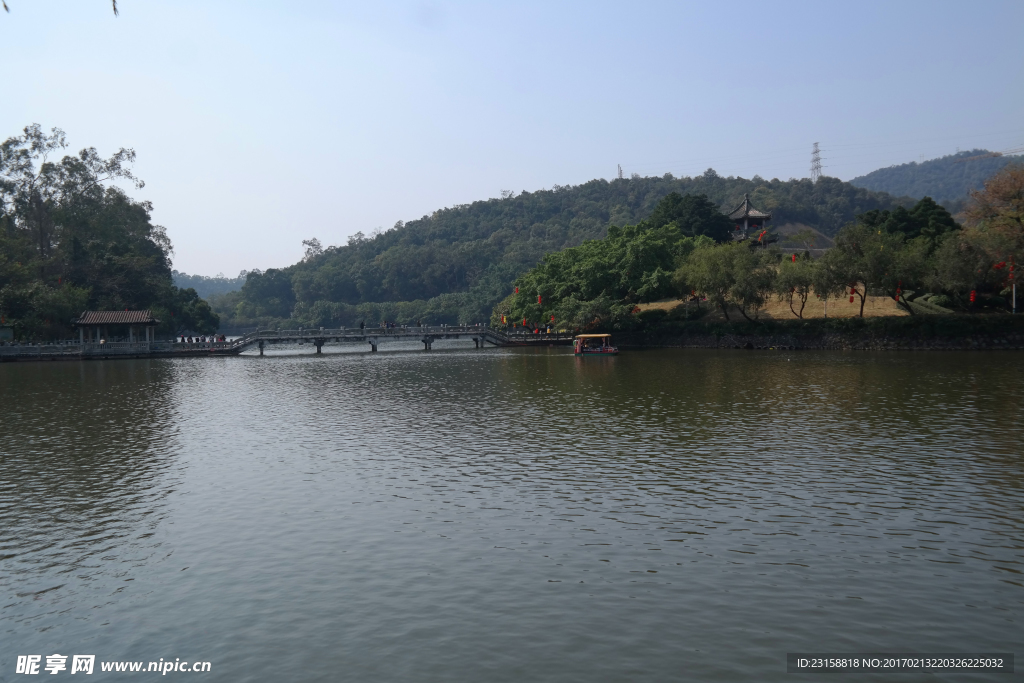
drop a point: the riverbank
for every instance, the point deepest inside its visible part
(939, 333)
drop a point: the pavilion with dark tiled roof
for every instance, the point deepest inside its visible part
(96, 325)
(751, 217)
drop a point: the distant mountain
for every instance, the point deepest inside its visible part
(947, 180)
(205, 286)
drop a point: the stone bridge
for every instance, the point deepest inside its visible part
(480, 335)
(261, 339)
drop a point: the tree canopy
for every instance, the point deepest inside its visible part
(920, 257)
(455, 264)
(949, 179)
(71, 241)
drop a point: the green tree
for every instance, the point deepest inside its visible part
(693, 215)
(70, 240)
(754, 275)
(710, 271)
(795, 281)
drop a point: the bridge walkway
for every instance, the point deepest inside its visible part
(261, 339)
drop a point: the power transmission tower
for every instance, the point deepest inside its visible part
(815, 163)
(621, 176)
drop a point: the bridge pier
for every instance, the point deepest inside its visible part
(373, 345)
(261, 347)
(427, 343)
(319, 345)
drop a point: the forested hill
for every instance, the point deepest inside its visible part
(206, 286)
(947, 180)
(463, 258)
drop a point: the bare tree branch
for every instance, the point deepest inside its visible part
(8, 9)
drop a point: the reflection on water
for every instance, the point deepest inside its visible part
(511, 514)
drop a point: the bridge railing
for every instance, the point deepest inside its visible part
(115, 348)
(40, 350)
(403, 330)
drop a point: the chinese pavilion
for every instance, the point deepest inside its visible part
(747, 218)
(97, 325)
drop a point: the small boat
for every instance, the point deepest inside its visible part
(593, 345)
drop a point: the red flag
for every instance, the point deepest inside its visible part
(517, 290)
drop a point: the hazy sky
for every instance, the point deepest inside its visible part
(259, 124)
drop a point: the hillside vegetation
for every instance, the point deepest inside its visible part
(206, 286)
(71, 241)
(920, 258)
(457, 263)
(948, 180)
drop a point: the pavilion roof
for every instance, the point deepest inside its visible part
(745, 210)
(117, 318)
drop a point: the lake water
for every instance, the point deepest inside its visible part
(512, 514)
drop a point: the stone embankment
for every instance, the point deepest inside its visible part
(832, 341)
(909, 336)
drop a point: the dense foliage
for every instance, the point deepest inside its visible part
(206, 286)
(920, 257)
(949, 179)
(70, 241)
(455, 264)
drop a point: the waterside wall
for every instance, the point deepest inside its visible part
(921, 333)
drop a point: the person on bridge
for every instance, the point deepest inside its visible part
(362, 325)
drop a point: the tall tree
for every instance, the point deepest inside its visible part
(69, 239)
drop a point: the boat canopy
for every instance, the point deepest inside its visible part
(591, 336)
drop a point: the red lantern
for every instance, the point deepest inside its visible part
(538, 298)
(524, 322)
(517, 290)
(972, 295)
(552, 318)
(794, 258)
(851, 299)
